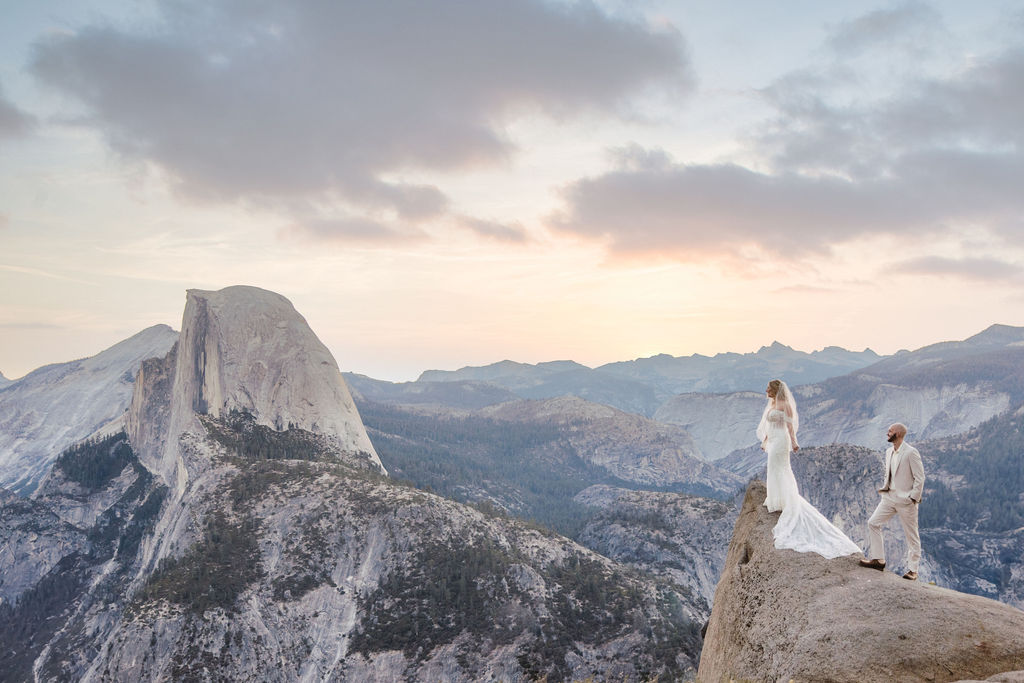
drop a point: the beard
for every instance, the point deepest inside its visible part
(892, 438)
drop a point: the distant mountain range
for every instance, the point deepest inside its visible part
(937, 391)
(730, 372)
(643, 385)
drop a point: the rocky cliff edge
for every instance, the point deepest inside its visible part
(783, 615)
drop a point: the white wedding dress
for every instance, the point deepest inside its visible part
(800, 527)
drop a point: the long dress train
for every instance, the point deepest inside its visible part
(800, 527)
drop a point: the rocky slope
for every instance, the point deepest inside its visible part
(856, 410)
(937, 391)
(341, 576)
(55, 406)
(836, 415)
(73, 497)
(782, 615)
(671, 535)
(34, 541)
(285, 550)
(628, 446)
(90, 563)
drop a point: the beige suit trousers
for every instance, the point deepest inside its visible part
(889, 507)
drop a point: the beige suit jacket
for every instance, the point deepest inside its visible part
(907, 481)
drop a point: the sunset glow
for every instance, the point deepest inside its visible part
(432, 190)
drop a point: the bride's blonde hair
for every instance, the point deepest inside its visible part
(783, 398)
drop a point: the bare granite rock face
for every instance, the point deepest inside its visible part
(780, 615)
(76, 504)
(33, 540)
(718, 423)
(931, 412)
(241, 349)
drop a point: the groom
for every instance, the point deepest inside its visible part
(901, 493)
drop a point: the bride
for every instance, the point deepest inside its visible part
(800, 527)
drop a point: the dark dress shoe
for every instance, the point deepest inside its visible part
(873, 564)
(910, 576)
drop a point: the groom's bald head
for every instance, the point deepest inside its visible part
(897, 431)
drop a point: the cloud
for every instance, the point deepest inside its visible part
(322, 100)
(931, 157)
(910, 24)
(701, 210)
(495, 230)
(971, 268)
(29, 326)
(13, 121)
(350, 229)
(633, 157)
(40, 273)
(976, 110)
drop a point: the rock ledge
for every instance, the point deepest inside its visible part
(783, 615)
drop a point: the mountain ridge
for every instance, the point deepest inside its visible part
(652, 380)
(939, 390)
(59, 404)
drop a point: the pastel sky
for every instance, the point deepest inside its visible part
(443, 183)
